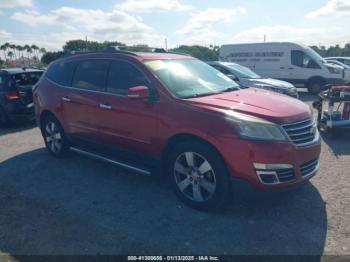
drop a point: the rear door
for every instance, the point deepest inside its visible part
(81, 102)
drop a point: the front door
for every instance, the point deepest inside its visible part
(124, 122)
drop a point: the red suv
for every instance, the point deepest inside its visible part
(151, 112)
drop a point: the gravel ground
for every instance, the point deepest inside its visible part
(82, 206)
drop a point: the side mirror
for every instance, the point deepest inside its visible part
(138, 92)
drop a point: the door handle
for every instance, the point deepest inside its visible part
(291, 68)
(105, 106)
(66, 99)
(282, 67)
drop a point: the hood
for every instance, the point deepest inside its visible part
(261, 103)
(265, 81)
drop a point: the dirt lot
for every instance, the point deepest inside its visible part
(82, 206)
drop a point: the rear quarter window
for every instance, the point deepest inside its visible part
(61, 72)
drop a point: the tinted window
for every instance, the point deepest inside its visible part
(123, 75)
(91, 75)
(29, 78)
(61, 72)
(300, 59)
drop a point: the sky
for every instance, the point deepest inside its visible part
(50, 24)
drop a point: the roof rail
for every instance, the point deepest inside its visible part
(119, 49)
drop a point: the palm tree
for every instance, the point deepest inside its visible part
(27, 48)
(10, 55)
(18, 49)
(42, 51)
(13, 47)
(35, 48)
(3, 48)
(21, 49)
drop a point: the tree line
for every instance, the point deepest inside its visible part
(12, 52)
(200, 52)
(210, 53)
(31, 53)
(333, 50)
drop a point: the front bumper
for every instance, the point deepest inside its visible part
(270, 165)
(335, 81)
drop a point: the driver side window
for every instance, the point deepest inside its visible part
(123, 75)
(300, 59)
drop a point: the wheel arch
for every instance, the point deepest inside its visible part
(183, 137)
(316, 79)
(44, 114)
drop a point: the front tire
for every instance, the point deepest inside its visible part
(54, 136)
(315, 87)
(199, 175)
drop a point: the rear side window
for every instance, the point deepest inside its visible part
(300, 59)
(61, 72)
(91, 75)
(122, 76)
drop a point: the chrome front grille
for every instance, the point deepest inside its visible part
(309, 168)
(301, 133)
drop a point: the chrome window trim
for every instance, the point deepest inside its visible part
(78, 60)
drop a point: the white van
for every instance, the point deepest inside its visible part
(294, 63)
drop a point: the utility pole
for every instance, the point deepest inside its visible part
(86, 44)
(264, 38)
(166, 44)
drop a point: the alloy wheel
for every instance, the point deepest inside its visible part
(194, 176)
(53, 137)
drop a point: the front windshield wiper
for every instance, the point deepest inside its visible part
(201, 95)
(230, 89)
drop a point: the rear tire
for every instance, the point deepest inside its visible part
(198, 175)
(54, 136)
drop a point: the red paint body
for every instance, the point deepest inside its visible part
(146, 127)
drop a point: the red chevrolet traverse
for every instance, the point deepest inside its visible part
(151, 112)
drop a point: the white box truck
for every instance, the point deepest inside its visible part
(291, 62)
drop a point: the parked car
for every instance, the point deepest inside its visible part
(344, 66)
(344, 60)
(173, 115)
(291, 62)
(16, 102)
(247, 78)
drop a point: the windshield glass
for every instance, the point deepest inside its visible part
(190, 77)
(242, 71)
(23, 79)
(316, 56)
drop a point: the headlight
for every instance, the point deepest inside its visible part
(250, 127)
(334, 70)
(271, 88)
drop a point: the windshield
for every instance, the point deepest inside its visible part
(23, 79)
(242, 71)
(316, 56)
(190, 77)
